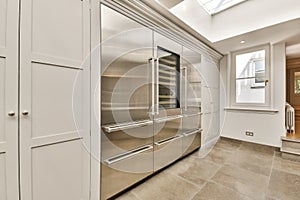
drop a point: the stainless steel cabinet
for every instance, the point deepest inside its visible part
(167, 118)
(191, 95)
(142, 118)
(126, 112)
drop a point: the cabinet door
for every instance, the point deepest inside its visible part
(54, 152)
(191, 90)
(9, 99)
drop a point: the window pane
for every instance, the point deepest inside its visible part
(297, 82)
(213, 6)
(247, 91)
(251, 65)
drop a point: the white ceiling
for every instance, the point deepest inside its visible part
(255, 21)
(288, 32)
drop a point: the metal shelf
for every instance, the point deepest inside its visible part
(167, 78)
(167, 103)
(167, 67)
(169, 62)
(172, 73)
(167, 97)
(166, 83)
(122, 76)
(124, 108)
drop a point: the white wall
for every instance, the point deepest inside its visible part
(267, 127)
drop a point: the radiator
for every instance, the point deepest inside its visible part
(290, 118)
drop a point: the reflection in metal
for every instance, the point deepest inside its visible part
(150, 110)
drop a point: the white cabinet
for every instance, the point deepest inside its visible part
(210, 100)
(9, 99)
(54, 163)
(42, 48)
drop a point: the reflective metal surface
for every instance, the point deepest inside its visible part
(127, 127)
(143, 93)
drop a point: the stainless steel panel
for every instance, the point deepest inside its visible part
(167, 124)
(126, 92)
(126, 47)
(125, 172)
(167, 121)
(167, 151)
(126, 117)
(191, 141)
(192, 80)
(120, 141)
(191, 121)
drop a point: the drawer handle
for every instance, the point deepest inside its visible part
(124, 126)
(192, 115)
(126, 155)
(165, 119)
(192, 132)
(168, 140)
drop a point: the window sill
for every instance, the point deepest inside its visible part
(255, 110)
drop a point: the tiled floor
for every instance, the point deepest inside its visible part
(233, 170)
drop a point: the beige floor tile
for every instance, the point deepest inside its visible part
(252, 162)
(286, 166)
(257, 149)
(270, 198)
(218, 156)
(128, 196)
(245, 182)
(228, 144)
(284, 186)
(213, 191)
(195, 170)
(167, 187)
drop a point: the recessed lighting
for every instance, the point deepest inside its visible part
(242, 41)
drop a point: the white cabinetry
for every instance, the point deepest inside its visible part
(9, 99)
(54, 41)
(42, 47)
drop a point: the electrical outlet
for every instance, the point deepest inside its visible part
(248, 133)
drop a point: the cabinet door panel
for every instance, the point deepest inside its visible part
(54, 144)
(54, 168)
(9, 99)
(2, 102)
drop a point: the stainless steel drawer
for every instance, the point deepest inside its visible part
(122, 171)
(191, 121)
(167, 127)
(167, 151)
(119, 139)
(191, 141)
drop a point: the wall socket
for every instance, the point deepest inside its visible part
(248, 133)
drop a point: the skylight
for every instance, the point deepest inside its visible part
(215, 6)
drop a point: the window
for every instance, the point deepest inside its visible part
(250, 77)
(215, 6)
(297, 82)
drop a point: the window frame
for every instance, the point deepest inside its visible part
(233, 54)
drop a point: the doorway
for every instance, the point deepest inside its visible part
(293, 91)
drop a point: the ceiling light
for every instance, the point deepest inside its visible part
(242, 41)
